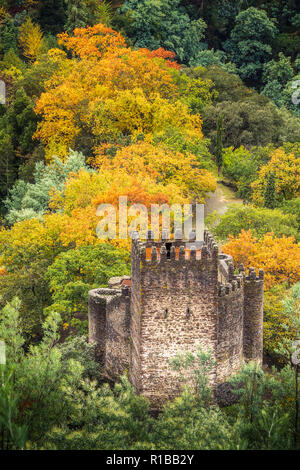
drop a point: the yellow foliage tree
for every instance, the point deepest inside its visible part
(286, 168)
(3, 13)
(279, 257)
(30, 39)
(163, 166)
(85, 191)
(93, 41)
(108, 92)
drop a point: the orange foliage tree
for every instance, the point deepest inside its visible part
(93, 41)
(30, 39)
(163, 166)
(78, 202)
(161, 53)
(107, 93)
(279, 257)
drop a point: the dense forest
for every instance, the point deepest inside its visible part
(163, 101)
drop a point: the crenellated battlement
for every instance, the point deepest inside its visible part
(178, 249)
(252, 276)
(234, 286)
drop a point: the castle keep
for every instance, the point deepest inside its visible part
(180, 295)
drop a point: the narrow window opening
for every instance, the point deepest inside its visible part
(166, 313)
(168, 247)
(188, 313)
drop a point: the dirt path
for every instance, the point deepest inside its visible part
(220, 200)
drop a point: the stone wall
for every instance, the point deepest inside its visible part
(97, 321)
(230, 329)
(117, 334)
(253, 316)
(109, 319)
(135, 320)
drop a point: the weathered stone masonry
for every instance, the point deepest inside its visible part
(180, 296)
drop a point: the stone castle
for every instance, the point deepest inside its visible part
(180, 295)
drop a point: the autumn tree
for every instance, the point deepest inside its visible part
(161, 53)
(86, 191)
(27, 249)
(30, 39)
(286, 169)
(108, 93)
(279, 257)
(164, 166)
(93, 41)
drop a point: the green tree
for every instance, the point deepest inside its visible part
(263, 423)
(280, 70)
(275, 320)
(183, 424)
(289, 349)
(240, 168)
(105, 419)
(23, 122)
(31, 200)
(250, 43)
(75, 272)
(270, 192)
(156, 23)
(292, 208)
(8, 163)
(77, 15)
(253, 122)
(210, 57)
(43, 380)
(219, 144)
(11, 59)
(228, 86)
(259, 220)
(278, 76)
(13, 436)
(51, 15)
(9, 35)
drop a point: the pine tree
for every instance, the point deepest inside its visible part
(219, 144)
(270, 192)
(23, 121)
(52, 16)
(8, 167)
(77, 15)
(8, 34)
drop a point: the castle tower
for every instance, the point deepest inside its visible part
(182, 294)
(253, 316)
(174, 308)
(109, 322)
